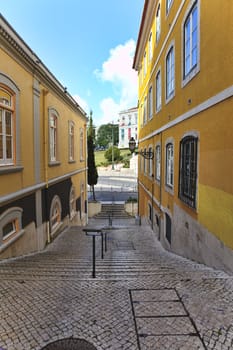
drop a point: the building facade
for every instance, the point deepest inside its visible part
(128, 126)
(184, 63)
(43, 170)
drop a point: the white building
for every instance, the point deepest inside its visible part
(128, 127)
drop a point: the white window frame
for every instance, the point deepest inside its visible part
(12, 215)
(168, 5)
(194, 68)
(72, 200)
(158, 22)
(150, 102)
(158, 91)
(71, 126)
(13, 164)
(170, 73)
(81, 144)
(53, 136)
(150, 45)
(55, 214)
(145, 63)
(145, 163)
(169, 164)
(145, 111)
(158, 162)
(150, 162)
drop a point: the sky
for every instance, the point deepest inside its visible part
(88, 45)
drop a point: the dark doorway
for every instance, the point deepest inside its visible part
(168, 228)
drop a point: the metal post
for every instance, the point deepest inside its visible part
(93, 256)
(102, 245)
(105, 241)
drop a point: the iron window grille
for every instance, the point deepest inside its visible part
(188, 171)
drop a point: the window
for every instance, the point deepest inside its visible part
(71, 141)
(129, 133)
(158, 23)
(150, 47)
(145, 163)
(6, 128)
(150, 103)
(168, 5)
(150, 170)
(55, 214)
(158, 91)
(72, 202)
(169, 164)
(122, 134)
(145, 63)
(157, 164)
(170, 73)
(10, 226)
(145, 111)
(10, 153)
(188, 170)
(81, 144)
(191, 44)
(53, 135)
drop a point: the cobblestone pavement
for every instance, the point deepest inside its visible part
(142, 298)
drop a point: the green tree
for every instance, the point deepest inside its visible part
(92, 170)
(116, 154)
(106, 133)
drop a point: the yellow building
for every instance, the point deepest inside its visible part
(43, 170)
(185, 68)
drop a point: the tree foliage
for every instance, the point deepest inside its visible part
(92, 170)
(105, 133)
(116, 154)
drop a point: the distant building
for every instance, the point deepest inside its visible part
(43, 168)
(184, 63)
(128, 126)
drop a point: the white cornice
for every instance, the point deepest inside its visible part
(220, 97)
(16, 44)
(145, 28)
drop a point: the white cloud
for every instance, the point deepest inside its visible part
(82, 103)
(117, 69)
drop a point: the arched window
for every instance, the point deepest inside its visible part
(10, 225)
(72, 202)
(53, 135)
(10, 152)
(55, 213)
(158, 23)
(71, 141)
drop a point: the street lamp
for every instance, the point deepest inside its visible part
(145, 154)
(132, 144)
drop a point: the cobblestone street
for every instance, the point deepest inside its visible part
(142, 298)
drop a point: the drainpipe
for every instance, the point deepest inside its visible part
(45, 92)
(161, 177)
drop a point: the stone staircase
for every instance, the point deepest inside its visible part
(113, 210)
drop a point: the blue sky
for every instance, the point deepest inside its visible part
(88, 45)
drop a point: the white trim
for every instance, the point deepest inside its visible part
(212, 101)
(164, 44)
(37, 187)
(154, 199)
(172, 95)
(194, 71)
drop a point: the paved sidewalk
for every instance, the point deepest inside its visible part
(143, 298)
